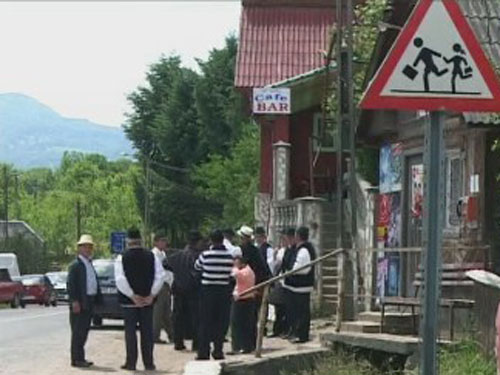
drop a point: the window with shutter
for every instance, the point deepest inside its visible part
(327, 136)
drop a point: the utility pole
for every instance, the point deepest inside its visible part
(340, 169)
(18, 200)
(351, 124)
(78, 210)
(147, 200)
(6, 206)
(345, 122)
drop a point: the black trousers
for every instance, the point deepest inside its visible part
(301, 315)
(185, 317)
(290, 313)
(280, 325)
(215, 306)
(243, 325)
(80, 326)
(142, 317)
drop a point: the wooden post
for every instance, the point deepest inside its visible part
(341, 291)
(262, 322)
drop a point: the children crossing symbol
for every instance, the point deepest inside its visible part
(435, 64)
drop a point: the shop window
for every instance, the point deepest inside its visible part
(324, 138)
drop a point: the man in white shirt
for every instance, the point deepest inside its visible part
(228, 243)
(139, 277)
(162, 311)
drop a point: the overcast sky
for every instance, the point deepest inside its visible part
(83, 58)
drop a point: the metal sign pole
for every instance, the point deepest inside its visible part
(433, 223)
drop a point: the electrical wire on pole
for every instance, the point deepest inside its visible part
(147, 199)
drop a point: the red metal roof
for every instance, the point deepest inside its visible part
(280, 42)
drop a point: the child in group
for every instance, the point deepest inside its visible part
(243, 322)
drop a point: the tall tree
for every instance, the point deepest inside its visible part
(181, 119)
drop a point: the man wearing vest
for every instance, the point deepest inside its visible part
(215, 266)
(266, 250)
(139, 278)
(300, 285)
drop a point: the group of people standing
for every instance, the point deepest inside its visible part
(208, 284)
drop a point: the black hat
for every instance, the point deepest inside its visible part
(260, 231)
(160, 235)
(134, 234)
(303, 233)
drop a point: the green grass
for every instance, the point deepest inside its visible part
(463, 358)
(466, 359)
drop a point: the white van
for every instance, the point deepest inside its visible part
(9, 261)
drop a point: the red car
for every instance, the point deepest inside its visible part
(11, 292)
(39, 290)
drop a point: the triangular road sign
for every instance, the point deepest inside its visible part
(435, 64)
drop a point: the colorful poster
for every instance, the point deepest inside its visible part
(394, 227)
(392, 287)
(382, 265)
(417, 190)
(391, 166)
(389, 220)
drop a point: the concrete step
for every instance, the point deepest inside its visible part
(330, 297)
(330, 280)
(330, 289)
(329, 270)
(360, 326)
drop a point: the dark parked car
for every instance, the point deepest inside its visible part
(39, 289)
(110, 307)
(58, 280)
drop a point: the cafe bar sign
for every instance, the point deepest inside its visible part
(271, 101)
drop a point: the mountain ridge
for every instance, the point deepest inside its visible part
(33, 134)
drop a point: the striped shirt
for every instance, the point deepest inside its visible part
(215, 266)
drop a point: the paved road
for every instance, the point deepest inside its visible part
(35, 341)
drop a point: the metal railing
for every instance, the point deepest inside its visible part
(266, 285)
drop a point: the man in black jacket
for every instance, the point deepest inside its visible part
(84, 293)
(139, 277)
(258, 266)
(186, 291)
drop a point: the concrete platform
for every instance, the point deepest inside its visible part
(404, 345)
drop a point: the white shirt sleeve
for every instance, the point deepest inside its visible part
(303, 258)
(120, 279)
(169, 277)
(159, 277)
(279, 260)
(270, 258)
(237, 252)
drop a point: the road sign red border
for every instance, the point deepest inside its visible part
(373, 99)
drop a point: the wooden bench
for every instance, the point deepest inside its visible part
(452, 275)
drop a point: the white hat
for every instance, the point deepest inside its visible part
(85, 239)
(245, 231)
